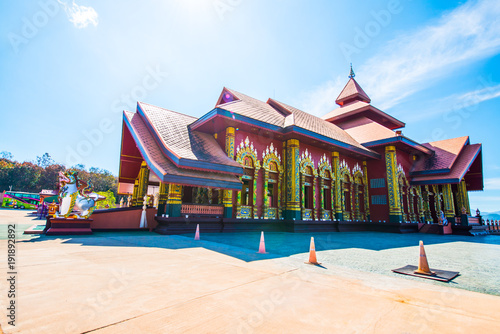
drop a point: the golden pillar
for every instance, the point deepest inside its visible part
(395, 215)
(367, 195)
(338, 186)
(228, 194)
(292, 180)
(163, 191)
(143, 179)
(449, 205)
(134, 194)
(464, 196)
(174, 201)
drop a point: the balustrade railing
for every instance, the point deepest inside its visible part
(200, 209)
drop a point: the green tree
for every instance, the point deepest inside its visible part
(45, 160)
(6, 155)
(49, 178)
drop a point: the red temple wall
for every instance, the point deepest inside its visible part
(376, 170)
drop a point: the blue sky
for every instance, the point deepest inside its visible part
(68, 69)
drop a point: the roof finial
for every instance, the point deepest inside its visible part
(351, 74)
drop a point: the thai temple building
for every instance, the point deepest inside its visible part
(251, 160)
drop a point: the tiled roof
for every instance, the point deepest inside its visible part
(283, 115)
(249, 107)
(172, 128)
(446, 152)
(352, 90)
(315, 124)
(458, 170)
(365, 130)
(162, 164)
(347, 108)
(362, 108)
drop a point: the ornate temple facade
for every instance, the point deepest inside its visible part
(250, 159)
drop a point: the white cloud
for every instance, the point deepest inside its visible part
(80, 16)
(415, 60)
(412, 62)
(479, 95)
(453, 104)
(492, 183)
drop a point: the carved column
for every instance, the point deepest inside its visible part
(315, 208)
(210, 194)
(302, 193)
(395, 215)
(464, 196)
(255, 208)
(280, 177)
(174, 201)
(449, 205)
(163, 198)
(332, 194)
(427, 204)
(265, 200)
(322, 196)
(228, 194)
(134, 194)
(338, 186)
(143, 179)
(292, 180)
(420, 204)
(366, 193)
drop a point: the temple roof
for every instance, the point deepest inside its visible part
(248, 106)
(310, 122)
(352, 92)
(446, 152)
(189, 149)
(465, 165)
(285, 118)
(365, 130)
(357, 109)
(164, 168)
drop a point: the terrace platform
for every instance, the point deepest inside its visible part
(182, 225)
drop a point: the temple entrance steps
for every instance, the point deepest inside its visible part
(470, 230)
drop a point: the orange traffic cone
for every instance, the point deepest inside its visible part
(262, 246)
(312, 253)
(197, 234)
(423, 266)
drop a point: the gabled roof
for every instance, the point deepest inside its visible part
(446, 152)
(249, 107)
(315, 124)
(352, 92)
(365, 130)
(284, 117)
(188, 149)
(362, 109)
(163, 167)
(458, 170)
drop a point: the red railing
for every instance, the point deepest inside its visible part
(473, 220)
(198, 209)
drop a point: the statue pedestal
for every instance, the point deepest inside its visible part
(68, 226)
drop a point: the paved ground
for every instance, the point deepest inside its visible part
(142, 282)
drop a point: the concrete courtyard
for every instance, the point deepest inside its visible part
(142, 282)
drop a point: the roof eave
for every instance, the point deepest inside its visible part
(399, 139)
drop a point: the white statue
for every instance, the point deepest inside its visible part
(75, 195)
